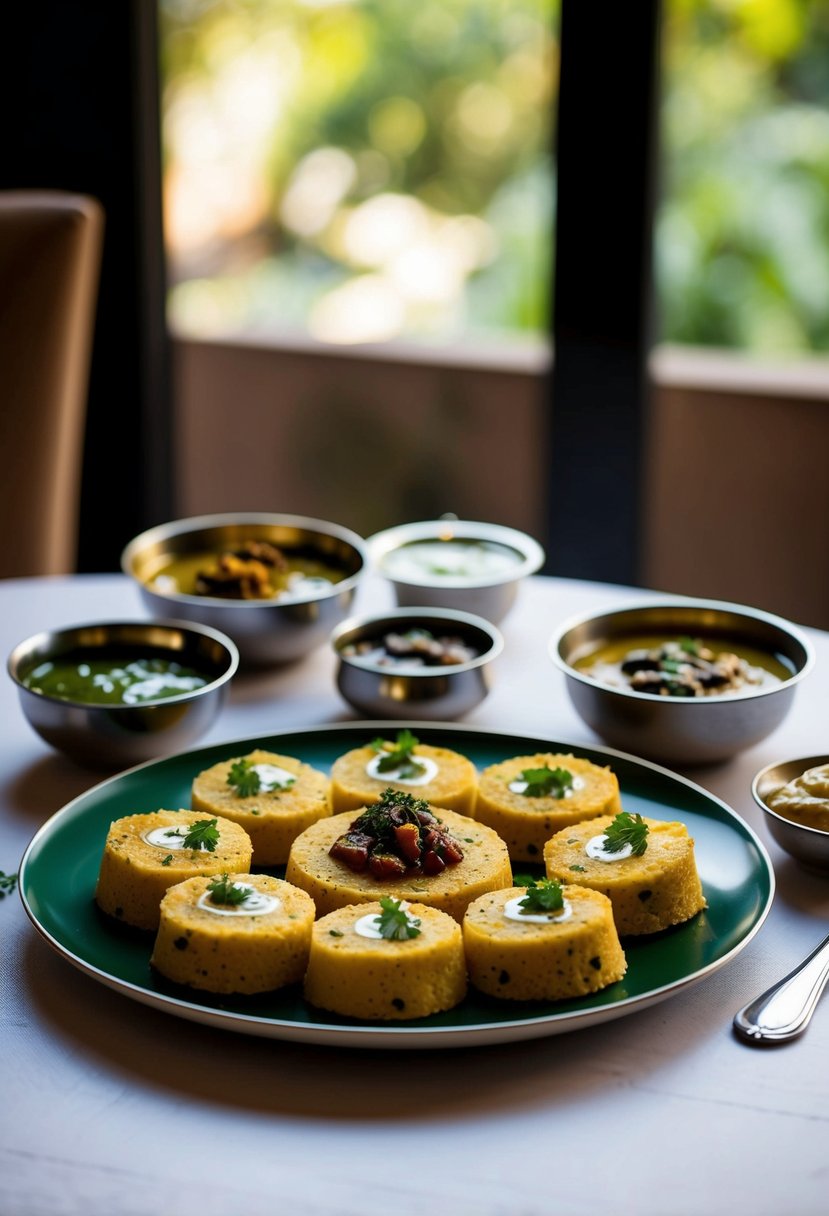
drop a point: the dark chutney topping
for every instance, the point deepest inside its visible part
(399, 837)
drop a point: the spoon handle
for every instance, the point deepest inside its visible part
(784, 1011)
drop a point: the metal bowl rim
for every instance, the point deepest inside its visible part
(380, 544)
(756, 614)
(450, 615)
(764, 806)
(198, 523)
(170, 624)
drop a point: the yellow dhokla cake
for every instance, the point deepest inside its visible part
(527, 799)
(146, 854)
(438, 775)
(543, 956)
(649, 892)
(354, 970)
(272, 797)
(483, 865)
(234, 933)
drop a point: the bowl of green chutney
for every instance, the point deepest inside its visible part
(116, 693)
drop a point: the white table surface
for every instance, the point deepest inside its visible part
(110, 1107)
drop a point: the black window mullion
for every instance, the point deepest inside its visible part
(598, 403)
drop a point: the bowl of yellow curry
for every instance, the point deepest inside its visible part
(276, 584)
(794, 798)
(680, 680)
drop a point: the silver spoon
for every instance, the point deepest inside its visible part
(784, 1011)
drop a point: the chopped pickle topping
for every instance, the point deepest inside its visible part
(398, 837)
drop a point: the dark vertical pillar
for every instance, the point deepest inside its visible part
(606, 157)
(80, 99)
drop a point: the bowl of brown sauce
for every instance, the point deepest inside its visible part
(680, 680)
(276, 584)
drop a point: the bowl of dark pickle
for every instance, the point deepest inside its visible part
(115, 693)
(679, 680)
(431, 664)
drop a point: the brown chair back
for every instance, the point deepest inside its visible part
(50, 253)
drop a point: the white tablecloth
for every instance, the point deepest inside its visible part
(109, 1107)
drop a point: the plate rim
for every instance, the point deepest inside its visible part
(397, 1035)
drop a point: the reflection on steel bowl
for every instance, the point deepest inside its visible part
(680, 728)
(277, 584)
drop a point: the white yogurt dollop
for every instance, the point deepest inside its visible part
(369, 926)
(451, 559)
(256, 904)
(596, 848)
(514, 911)
(169, 838)
(428, 773)
(518, 787)
(272, 777)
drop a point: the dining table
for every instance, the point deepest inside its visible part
(112, 1106)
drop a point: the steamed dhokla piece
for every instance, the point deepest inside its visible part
(400, 847)
(438, 775)
(649, 889)
(356, 970)
(272, 797)
(146, 854)
(234, 933)
(542, 955)
(529, 798)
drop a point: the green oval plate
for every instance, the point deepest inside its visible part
(60, 868)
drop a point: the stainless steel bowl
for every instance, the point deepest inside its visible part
(809, 846)
(695, 730)
(490, 597)
(118, 736)
(430, 693)
(265, 631)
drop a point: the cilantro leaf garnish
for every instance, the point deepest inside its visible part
(244, 778)
(626, 829)
(689, 645)
(546, 782)
(393, 922)
(399, 755)
(8, 882)
(543, 896)
(165, 861)
(203, 834)
(224, 891)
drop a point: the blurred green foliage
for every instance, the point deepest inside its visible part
(446, 102)
(294, 128)
(742, 248)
